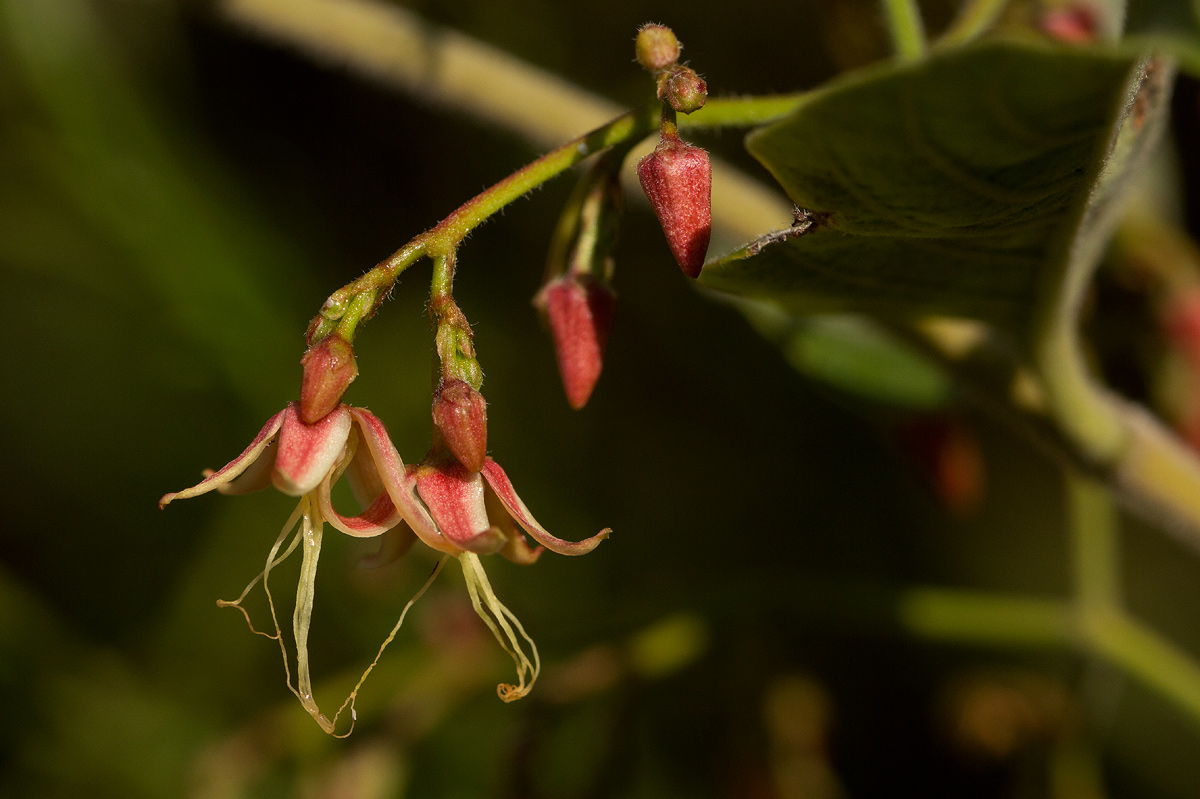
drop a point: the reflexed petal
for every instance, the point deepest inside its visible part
(375, 520)
(363, 477)
(516, 548)
(307, 452)
(454, 497)
(500, 483)
(390, 470)
(235, 467)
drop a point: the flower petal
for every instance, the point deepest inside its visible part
(454, 497)
(363, 477)
(380, 517)
(307, 452)
(500, 483)
(235, 467)
(390, 470)
(516, 548)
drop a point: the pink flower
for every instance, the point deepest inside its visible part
(446, 506)
(450, 508)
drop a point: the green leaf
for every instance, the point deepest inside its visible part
(855, 355)
(947, 185)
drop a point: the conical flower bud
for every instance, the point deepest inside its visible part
(579, 310)
(460, 413)
(677, 179)
(656, 47)
(329, 369)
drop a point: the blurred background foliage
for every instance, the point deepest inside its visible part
(176, 199)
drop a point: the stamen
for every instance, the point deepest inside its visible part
(302, 616)
(354, 694)
(479, 587)
(272, 562)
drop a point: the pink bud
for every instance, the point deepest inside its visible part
(329, 369)
(579, 309)
(677, 179)
(460, 413)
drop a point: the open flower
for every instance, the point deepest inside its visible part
(453, 510)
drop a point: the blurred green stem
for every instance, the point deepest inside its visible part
(905, 26)
(1095, 545)
(975, 18)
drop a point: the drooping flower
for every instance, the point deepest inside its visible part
(448, 507)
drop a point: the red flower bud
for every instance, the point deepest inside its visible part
(460, 413)
(683, 89)
(656, 47)
(329, 369)
(579, 309)
(677, 178)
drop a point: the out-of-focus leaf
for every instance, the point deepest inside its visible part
(948, 184)
(855, 355)
(206, 262)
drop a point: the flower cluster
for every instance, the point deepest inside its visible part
(458, 501)
(455, 510)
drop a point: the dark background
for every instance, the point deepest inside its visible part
(177, 197)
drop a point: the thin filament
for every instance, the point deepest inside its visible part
(354, 694)
(482, 594)
(272, 562)
(302, 616)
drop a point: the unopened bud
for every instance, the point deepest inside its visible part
(683, 90)
(460, 413)
(579, 310)
(329, 369)
(677, 179)
(656, 46)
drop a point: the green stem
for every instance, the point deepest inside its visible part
(454, 228)
(906, 29)
(976, 17)
(360, 309)
(985, 618)
(738, 112)
(1095, 544)
(627, 128)
(1145, 656)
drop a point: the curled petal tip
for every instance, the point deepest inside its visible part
(503, 487)
(249, 461)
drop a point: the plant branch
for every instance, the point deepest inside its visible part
(906, 28)
(975, 18)
(391, 44)
(1095, 545)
